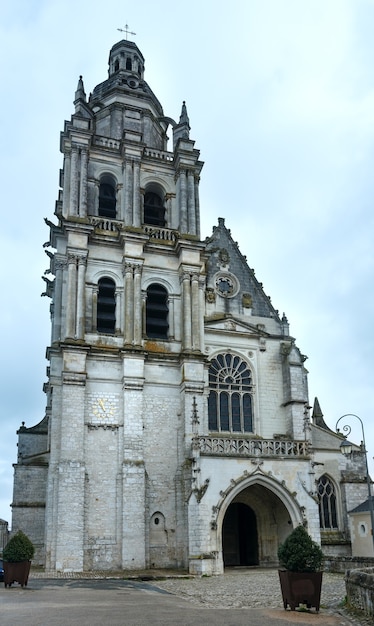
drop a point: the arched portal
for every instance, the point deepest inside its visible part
(254, 522)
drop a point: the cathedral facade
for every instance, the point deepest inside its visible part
(177, 431)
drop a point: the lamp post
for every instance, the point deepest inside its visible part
(346, 449)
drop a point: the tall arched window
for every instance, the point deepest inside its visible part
(107, 197)
(106, 306)
(327, 503)
(154, 210)
(157, 312)
(230, 397)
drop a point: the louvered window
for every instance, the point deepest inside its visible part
(157, 312)
(106, 306)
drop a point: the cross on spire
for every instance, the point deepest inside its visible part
(126, 30)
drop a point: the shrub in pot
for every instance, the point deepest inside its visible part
(17, 559)
(301, 578)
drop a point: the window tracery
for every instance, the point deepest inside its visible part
(327, 503)
(230, 397)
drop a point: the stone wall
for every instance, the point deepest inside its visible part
(346, 563)
(4, 535)
(360, 589)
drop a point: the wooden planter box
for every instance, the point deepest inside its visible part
(16, 573)
(301, 588)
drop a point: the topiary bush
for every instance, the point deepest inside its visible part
(19, 548)
(299, 553)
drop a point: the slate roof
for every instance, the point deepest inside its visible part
(364, 507)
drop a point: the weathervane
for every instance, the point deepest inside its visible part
(126, 30)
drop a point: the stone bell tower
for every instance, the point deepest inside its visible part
(126, 355)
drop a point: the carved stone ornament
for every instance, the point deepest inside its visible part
(210, 295)
(224, 257)
(247, 301)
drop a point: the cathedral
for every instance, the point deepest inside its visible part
(177, 430)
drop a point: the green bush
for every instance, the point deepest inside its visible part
(18, 548)
(299, 553)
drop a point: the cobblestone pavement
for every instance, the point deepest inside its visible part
(237, 588)
(256, 588)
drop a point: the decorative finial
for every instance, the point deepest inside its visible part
(80, 93)
(126, 30)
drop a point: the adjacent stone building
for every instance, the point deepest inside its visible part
(360, 524)
(177, 430)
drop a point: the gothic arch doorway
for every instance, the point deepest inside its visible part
(256, 520)
(239, 536)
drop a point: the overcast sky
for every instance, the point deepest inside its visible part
(280, 96)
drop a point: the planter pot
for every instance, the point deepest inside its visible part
(16, 573)
(300, 588)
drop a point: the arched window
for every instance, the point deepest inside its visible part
(128, 64)
(106, 306)
(327, 503)
(154, 210)
(107, 197)
(116, 66)
(230, 397)
(157, 311)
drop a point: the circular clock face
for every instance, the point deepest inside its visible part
(226, 284)
(103, 408)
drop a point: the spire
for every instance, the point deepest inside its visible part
(183, 120)
(80, 95)
(182, 129)
(317, 416)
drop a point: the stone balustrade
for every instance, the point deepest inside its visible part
(162, 234)
(237, 446)
(107, 224)
(158, 154)
(105, 142)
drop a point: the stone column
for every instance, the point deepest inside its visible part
(183, 201)
(197, 205)
(195, 312)
(129, 304)
(96, 198)
(120, 194)
(71, 296)
(83, 184)
(128, 187)
(191, 203)
(118, 312)
(186, 310)
(171, 303)
(66, 188)
(123, 194)
(57, 295)
(136, 194)
(137, 306)
(80, 321)
(95, 292)
(202, 311)
(74, 181)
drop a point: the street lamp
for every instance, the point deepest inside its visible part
(346, 449)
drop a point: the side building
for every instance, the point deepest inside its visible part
(177, 430)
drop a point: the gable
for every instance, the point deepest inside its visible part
(230, 277)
